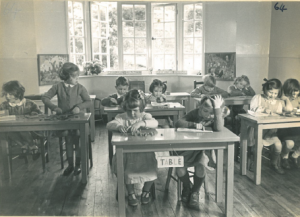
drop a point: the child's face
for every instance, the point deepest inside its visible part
(134, 113)
(206, 112)
(295, 94)
(11, 98)
(73, 79)
(208, 88)
(157, 91)
(241, 84)
(272, 94)
(122, 89)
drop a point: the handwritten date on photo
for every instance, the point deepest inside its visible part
(281, 8)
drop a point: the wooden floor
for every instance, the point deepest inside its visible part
(32, 192)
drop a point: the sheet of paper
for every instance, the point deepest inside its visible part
(257, 114)
(193, 130)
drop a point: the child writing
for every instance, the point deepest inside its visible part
(157, 89)
(209, 114)
(122, 85)
(72, 98)
(208, 88)
(16, 104)
(138, 167)
(269, 103)
(290, 136)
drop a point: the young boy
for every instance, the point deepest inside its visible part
(122, 85)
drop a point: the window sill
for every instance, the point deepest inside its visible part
(142, 75)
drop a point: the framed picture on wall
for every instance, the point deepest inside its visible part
(48, 67)
(221, 65)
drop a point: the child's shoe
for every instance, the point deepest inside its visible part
(132, 201)
(77, 170)
(24, 149)
(285, 164)
(68, 170)
(294, 162)
(194, 201)
(35, 152)
(185, 195)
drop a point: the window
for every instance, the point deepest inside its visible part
(137, 35)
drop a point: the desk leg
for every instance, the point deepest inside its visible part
(83, 144)
(121, 186)
(219, 176)
(110, 147)
(257, 157)
(5, 158)
(243, 148)
(92, 121)
(229, 180)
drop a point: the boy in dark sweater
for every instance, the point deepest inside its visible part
(122, 85)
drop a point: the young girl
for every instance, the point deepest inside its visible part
(157, 89)
(269, 103)
(208, 88)
(290, 136)
(72, 98)
(16, 104)
(210, 113)
(138, 167)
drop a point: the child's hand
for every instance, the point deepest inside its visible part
(268, 111)
(202, 95)
(114, 101)
(75, 110)
(284, 98)
(34, 113)
(135, 127)
(198, 126)
(243, 94)
(58, 111)
(218, 101)
(122, 129)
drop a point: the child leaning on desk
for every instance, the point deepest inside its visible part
(269, 102)
(138, 167)
(209, 114)
(208, 88)
(72, 98)
(16, 104)
(122, 85)
(291, 136)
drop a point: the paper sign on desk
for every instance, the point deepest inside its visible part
(193, 130)
(170, 161)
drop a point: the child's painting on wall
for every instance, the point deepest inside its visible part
(220, 65)
(48, 67)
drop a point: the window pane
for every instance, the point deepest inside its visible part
(170, 62)
(78, 12)
(103, 30)
(70, 9)
(158, 30)
(198, 29)
(140, 12)
(78, 45)
(140, 29)
(71, 45)
(141, 62)
(104, 60)
(78, 27)
(95, 14)
(128, 47)
(95, 29)
(170, 13)
(127, 12)
(96, 45)
(198, 11)
(159, 62)
(158, 46)
(128, 29)
(198, 62)
(188, 12)
(140, 45)
(170, 30)
(158, 14)
(96, 57)
(71, 30)
(128, 62)
(103, 46)
(170, 46)
(103, 13)
(198, 45)
(79, 61)
(188, 29)
(188, 62)
(188, 45)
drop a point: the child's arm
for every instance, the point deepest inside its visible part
(188, 121)
(255, 104)
(34, 109)
(196, 93)
(86, 100)
(150, 122)
(107, 101)
(233, 91)
(46, 98)
(221, 92)
(249, 91)
(218, 119)
(287, 105)
(116, 123)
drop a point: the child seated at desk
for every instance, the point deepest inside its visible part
(291, 136)
(122, 85)
(210, 113)
(16, 104)
(138, 167)
(157, 89)
(208, 88)
(72, 98)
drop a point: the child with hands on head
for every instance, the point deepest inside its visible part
(122, 85)
(72, 98)
(16, 104)
(209, 114)
(138, 167)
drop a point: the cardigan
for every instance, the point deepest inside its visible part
(106, 101)
(234, 91)
(200, 90)
(26, 107)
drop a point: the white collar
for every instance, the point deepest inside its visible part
(118, 96)
(69, 85)
(17, 104)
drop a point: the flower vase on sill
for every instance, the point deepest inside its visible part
(92, 67)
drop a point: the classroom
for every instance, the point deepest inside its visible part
(194, 104)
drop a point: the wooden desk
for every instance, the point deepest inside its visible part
(176, 111)
(78, 122)
(91, 110)
(235, 100)
(259, 124)
(168, 140)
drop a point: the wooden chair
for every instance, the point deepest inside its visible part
(139, 85)
(197, 83)
(98, 111)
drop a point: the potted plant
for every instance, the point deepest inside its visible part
(93, 67)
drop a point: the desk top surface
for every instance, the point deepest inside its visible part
(234, 100)
(269, 119)
(149, 108)
(168, 136)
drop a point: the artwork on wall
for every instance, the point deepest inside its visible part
(220, 65)
(48, 67)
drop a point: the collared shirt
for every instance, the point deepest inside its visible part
(17, 104)
(69, 85)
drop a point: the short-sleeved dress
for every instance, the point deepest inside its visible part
(138, 167)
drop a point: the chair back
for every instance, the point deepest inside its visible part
(196, 83)
(139, 85)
